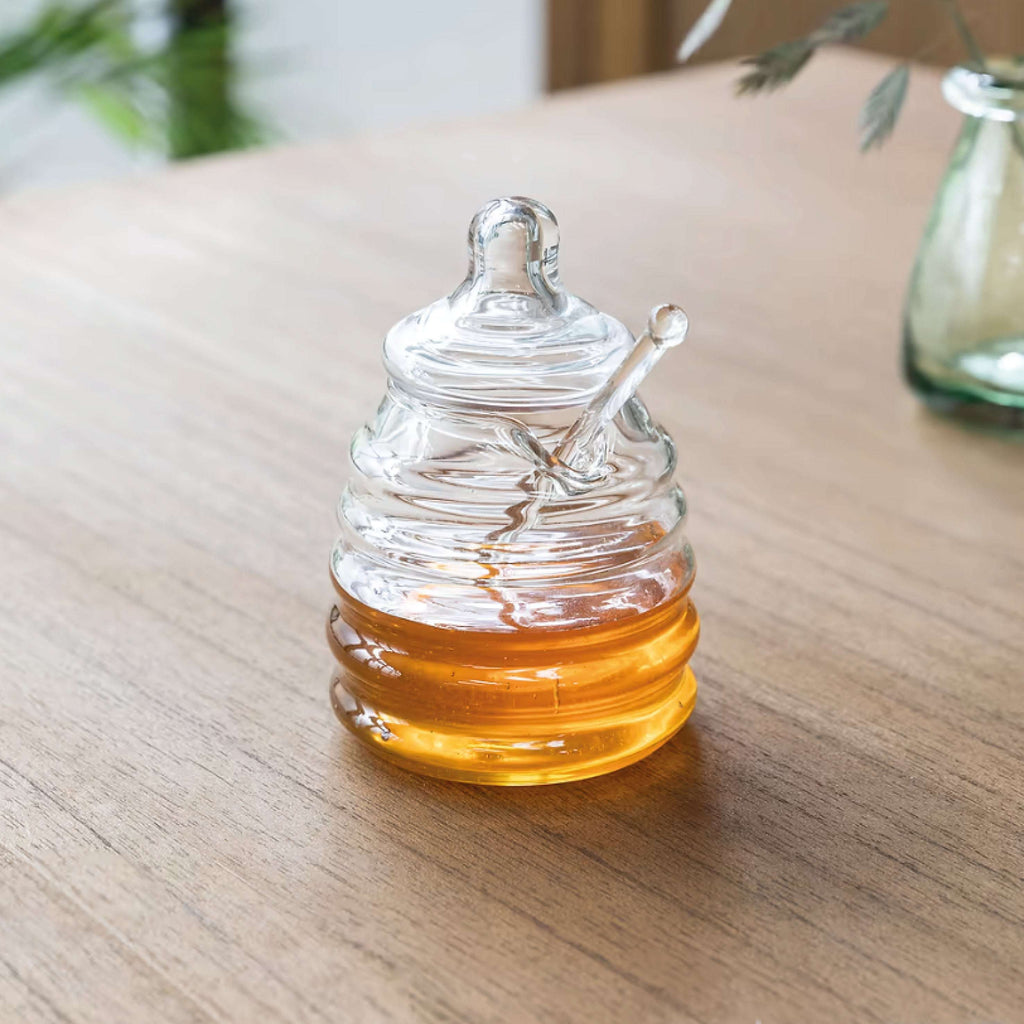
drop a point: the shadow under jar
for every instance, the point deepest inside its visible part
(964, 316)
(512, 578)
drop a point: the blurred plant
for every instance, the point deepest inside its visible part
(781, 64)
(178, 96)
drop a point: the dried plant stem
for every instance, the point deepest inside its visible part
(965, 33)
(781, 63)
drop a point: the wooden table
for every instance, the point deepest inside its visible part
(187, 833)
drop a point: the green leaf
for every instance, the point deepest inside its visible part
(878, 118)
(703, 29)
(181, 98)
(776, 66)
(57, 37)
(115, 109)
(850, 23)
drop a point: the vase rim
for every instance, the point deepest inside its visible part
(996, 93)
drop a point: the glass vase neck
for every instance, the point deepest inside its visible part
(996, 94)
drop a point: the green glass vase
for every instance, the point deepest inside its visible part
(963, 335)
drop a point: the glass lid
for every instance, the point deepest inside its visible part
(510, 336)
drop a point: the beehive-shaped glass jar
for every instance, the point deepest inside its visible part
(512, 575)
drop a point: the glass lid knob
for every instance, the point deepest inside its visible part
(513, 252)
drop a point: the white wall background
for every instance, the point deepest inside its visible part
(314, 69)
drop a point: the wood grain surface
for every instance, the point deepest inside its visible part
(187, 833)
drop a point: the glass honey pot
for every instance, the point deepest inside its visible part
(512, 579)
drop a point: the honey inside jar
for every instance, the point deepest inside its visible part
(516, 707)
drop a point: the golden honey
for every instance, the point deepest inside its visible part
(516, 707)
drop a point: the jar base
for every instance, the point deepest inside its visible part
(984, 385)
(541, 758)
